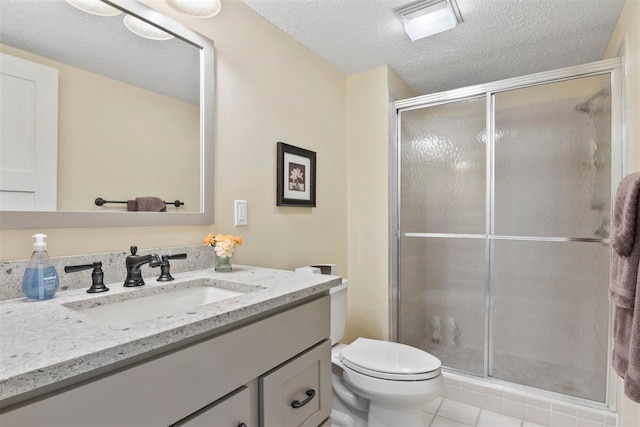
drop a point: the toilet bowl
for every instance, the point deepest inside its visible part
(378, 383)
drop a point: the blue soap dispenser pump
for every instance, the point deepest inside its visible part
(40, 280)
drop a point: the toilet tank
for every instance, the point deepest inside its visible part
(338, 311)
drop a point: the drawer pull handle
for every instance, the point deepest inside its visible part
(242, 425)
(297, 404)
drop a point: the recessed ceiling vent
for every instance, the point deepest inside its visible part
(428, 17)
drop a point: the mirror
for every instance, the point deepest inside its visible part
(133, 116)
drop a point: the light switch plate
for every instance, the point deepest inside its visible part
(241, 213)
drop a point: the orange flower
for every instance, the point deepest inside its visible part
(209, 240)
(223, 243)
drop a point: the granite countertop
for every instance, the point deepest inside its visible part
(44, 342)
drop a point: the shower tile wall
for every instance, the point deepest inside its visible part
(548, 322)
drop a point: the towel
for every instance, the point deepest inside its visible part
(151, 204)
(626, 247)
(624, 284)
(146, 204)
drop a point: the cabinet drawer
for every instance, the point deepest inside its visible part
(298, 393)
(230, 411)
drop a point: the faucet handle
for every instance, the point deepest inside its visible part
(134, 250)
(165, 273)
(176, 256)
(97, 276)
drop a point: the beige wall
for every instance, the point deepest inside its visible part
(367, 212)
(397, 87)
(368, 199)
(628, 31)
(268, 89)
(117, 158)
(149, 146)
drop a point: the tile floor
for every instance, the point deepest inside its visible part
(449, 413)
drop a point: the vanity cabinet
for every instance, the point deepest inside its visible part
(250, 374)
(230, 411)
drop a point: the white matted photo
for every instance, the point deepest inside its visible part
(296, 176)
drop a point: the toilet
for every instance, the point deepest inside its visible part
(378, 383)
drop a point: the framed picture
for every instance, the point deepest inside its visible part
(296, 179)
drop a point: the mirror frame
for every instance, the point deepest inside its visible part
(72, 219)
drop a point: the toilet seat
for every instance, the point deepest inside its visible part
(389, 361)
(391, 391)
(388, 376)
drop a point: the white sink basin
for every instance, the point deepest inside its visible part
(192, 295)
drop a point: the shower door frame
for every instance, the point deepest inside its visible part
(613, 67)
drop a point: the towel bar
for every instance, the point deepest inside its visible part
(100, 201)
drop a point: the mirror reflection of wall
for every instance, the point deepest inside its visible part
(128, 107)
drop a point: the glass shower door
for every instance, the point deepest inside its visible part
(550, 262)
(504, 255)
(443, 221)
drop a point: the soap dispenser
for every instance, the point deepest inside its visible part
(40, 280)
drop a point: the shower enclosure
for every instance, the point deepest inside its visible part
(504, 193)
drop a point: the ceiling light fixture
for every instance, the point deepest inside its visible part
(95, 7)
(196, 8)
(427, 17)
(143, 29)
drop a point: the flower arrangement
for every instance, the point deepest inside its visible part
(223, 244)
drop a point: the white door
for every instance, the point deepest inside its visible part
(28, 135)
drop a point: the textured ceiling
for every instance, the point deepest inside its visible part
(103, 45)
(498, 38)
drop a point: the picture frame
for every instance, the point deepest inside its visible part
(296, 176)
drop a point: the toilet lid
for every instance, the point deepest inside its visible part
(390, 360)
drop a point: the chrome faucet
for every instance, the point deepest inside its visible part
(134, 262)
